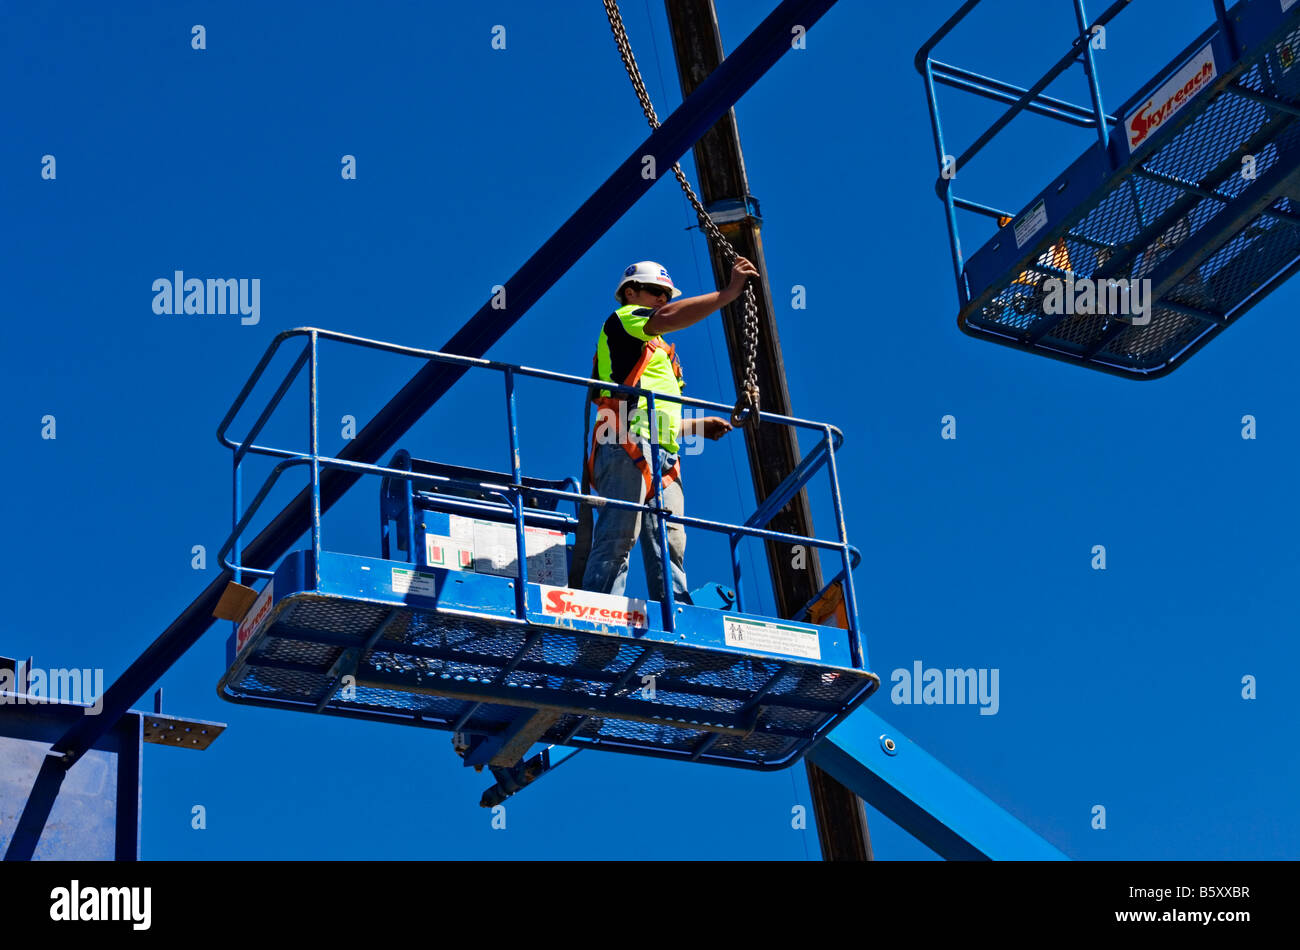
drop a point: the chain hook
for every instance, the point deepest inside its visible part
(746, 411)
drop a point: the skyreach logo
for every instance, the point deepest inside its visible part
(212, 297)
(33, 686)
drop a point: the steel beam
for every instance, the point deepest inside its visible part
(758, 53)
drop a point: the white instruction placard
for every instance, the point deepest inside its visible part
(461, 530)
(1031, 222)
(413, 582)
(745, 634)
(495, 552)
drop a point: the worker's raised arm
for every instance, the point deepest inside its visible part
(678, 314)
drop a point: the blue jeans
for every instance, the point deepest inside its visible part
(617, 529)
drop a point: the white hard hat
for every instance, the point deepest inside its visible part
(647, 272)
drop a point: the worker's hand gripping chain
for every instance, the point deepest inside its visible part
(746, 409)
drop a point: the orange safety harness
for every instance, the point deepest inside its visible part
(611, 411)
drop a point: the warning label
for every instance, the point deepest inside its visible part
(771, 637)
(1030, 223)
(495, 552)
(488, 547)
(255, 617)
(448, 552)
(413, 582)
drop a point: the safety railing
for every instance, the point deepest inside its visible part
(1019, 100)
(511, 493)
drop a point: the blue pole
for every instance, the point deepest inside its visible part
(1094, 86)
(850, 598)
(418, 558)
(661, 524)
(234, 551)
(735, 571)
(517, 497)
(932, 97)
(238, 575)
(512, 426)
(1225, 25)
(521, 552)
(315, 466)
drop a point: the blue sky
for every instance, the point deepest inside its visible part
(1119, 687)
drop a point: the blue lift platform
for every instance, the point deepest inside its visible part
(468, 622)
(1193, 184)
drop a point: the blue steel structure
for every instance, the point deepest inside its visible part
(939, 796)
(1165, 195)
(88, 812)
(497, 658)
(52, 813)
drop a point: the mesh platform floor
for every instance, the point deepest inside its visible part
(437, 669)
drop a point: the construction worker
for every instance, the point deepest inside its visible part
(630, 351)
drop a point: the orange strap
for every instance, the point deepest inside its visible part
(610, 405)
(607, 416)
(647, 353)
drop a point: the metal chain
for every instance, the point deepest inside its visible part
(746, 409)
